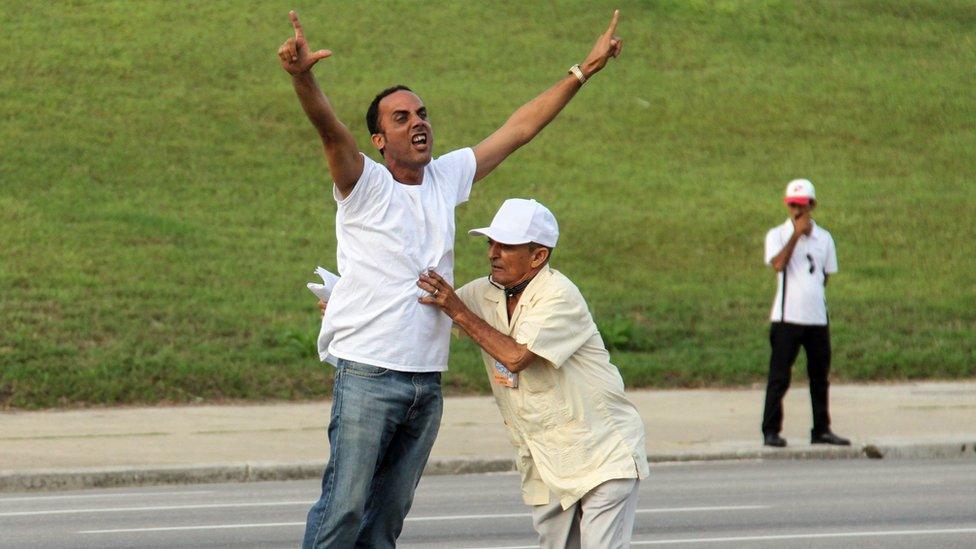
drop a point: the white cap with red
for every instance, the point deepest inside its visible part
(520, 221)
(800, 191)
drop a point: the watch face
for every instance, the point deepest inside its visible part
(576, 71)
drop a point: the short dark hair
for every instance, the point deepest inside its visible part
(373, 112)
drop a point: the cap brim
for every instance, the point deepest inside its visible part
(500, 236)
(797, 200)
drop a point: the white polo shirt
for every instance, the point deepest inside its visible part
(813, 258)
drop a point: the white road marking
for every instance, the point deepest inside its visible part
(408, 519)
(824, 535)
(205, 527)
(106, 495)
(536, 546)
(154, 508)
(639, 511)
(698, 509)
(467, 517)
(880, 533)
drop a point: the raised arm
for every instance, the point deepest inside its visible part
(345, 162)
(529, 119)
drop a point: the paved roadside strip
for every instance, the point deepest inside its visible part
(57, 450)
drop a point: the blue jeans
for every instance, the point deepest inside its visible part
(382, 428)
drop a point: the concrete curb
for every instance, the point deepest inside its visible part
(113, 477)
(939, 450)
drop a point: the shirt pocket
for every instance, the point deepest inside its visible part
(571, 448)
(542, 406)
(538, 378)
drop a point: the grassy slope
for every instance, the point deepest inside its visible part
(162, 199)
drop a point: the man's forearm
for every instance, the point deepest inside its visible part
(531, 118)
(526, 122)
(317, 107)
(513, 355)
(341, 151)
(783, 257)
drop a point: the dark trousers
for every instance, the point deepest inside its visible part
(785, 340)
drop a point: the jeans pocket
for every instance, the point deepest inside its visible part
(362, 370)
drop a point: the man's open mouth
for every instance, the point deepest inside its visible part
(419, 139)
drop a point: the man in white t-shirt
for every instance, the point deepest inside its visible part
(394, 221)
(579, 441)
(803, 255)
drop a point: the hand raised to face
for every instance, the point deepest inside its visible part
(802, 223)
(294, 53)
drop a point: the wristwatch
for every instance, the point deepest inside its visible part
(576, 71)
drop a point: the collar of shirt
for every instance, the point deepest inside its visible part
(528, 295)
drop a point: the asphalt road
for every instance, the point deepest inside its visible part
(856, 503)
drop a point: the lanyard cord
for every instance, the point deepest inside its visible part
(514, 290)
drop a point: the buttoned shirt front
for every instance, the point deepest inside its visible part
(800, 293)
(569, 420)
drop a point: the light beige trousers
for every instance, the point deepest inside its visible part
(602, 519)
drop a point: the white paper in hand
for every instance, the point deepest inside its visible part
(323, 291)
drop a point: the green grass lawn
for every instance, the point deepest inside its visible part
(163, 199)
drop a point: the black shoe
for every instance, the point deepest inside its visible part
(829, 438)
(774, 440)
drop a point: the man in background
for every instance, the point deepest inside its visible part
(803, 255)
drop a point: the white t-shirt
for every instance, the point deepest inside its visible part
(806, 301)
(388, 233)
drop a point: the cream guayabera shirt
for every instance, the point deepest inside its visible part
(569, 420)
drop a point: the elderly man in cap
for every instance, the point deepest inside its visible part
(803, 255)
(579, 441)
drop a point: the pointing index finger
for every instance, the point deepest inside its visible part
(296, 24)
(613, 23)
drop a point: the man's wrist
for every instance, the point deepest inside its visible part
(577, 71)
(459, 317)
(590, 68)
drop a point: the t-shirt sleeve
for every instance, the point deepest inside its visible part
(774, 245)
(459, 167)
(830, 267)
(367, 189)
(555, 327)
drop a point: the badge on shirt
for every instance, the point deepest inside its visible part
(503, 377)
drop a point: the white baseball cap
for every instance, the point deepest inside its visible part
(520, 221)
(800, 191)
